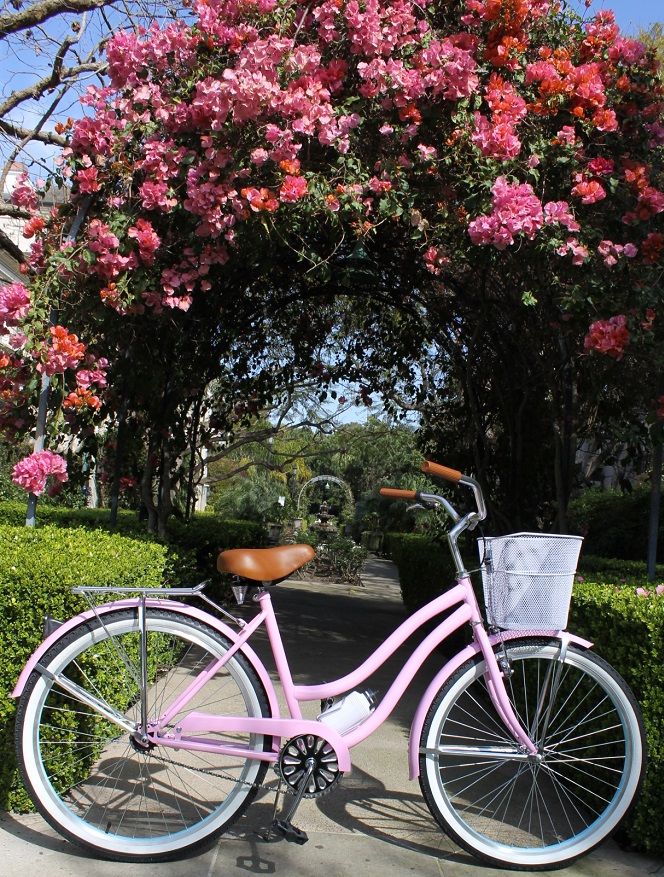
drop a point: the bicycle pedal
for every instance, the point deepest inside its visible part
(289, 832)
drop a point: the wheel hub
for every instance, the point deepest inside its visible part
(141, 743)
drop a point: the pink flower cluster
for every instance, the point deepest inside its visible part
(24, 194)
(435, 260)
(64, 351)
(609, 337)
(497, 137)
(94, 374)
(589, 191)
(128, 52)
(292, 189)
(87, 181)
(31, 472)
(191, 272)
(147, 239)
(516, 210)
(14, 303)
(104, 244)
(577, 250)
(611, 252)
(558, 213)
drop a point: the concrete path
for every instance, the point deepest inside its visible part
(375, 823)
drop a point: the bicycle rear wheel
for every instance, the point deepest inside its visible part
(93, 781)
(543, 812)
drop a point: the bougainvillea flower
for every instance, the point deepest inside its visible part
(31, 472)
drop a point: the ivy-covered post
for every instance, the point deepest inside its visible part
(42, 410)
(40, 433)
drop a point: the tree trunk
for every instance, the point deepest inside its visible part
(655, 496)
(117, 468)
(146, 488)
(191, 499)
(164, 504)
(565, 436)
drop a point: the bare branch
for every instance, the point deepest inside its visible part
(25, 134)
(42, 11)
(35, 91)
(7, 244)
(16, 212)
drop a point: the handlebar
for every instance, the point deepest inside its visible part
(395, 493)
(447, 474)
(430, 500)
(431, 468)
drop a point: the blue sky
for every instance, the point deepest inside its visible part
(632, 15)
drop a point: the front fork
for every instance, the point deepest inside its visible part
(499, 670)
(497, 689)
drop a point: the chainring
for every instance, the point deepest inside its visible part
(296, 757)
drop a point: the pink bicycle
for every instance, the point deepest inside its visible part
(146, 726)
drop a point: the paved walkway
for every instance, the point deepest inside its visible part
(374, 823)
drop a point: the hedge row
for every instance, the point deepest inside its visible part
(71, 547)
(627, 630)
(38, 568)
(425, 567)
(619, 572)
(193, 545)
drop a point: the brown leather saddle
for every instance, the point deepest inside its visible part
(265, 564)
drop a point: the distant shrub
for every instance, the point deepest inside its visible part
(614, 524)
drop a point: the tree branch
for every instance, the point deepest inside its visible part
(55, 77)
(25, 133)
(15, 212)
(6, 243)
(42, 11)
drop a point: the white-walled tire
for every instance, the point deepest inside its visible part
(539, 813)
(91, 781)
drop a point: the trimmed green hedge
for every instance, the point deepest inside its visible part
(619, 572)
(426, 570)
(38, 568)
(425, 567)
(628, 631)
(614, 524)
(193, 546)
(13, 513)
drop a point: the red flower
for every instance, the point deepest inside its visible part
(292, 189)
(589, 191)
(260, 199)
(608, 336)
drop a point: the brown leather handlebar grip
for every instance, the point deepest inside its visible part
(444, 472)
(395, 493)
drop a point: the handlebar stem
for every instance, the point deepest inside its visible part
(477, 492)
(453, 538)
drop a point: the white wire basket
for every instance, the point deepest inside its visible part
(528, 579)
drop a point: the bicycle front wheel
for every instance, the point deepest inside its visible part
(542, 812)
(95, 782)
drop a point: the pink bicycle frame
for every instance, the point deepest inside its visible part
(461, 596)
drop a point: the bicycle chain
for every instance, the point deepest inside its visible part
(225, 776)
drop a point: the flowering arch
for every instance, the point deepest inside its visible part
(470, 129)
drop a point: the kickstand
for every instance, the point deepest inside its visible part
(267, 835)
